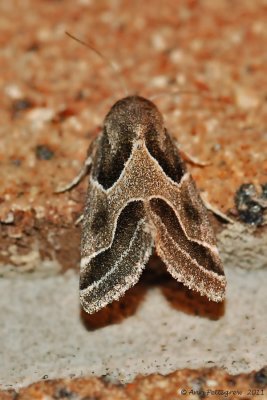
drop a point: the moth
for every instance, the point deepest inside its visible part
(141, 197)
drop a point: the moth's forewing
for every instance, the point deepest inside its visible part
(195, 263)
(185, 240)
(112, 271)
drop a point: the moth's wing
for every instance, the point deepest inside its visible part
(186, 243)
(111, 271)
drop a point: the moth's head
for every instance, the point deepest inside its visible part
(133, 118)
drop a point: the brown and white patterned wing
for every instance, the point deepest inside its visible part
(192, 260)
(106, 276)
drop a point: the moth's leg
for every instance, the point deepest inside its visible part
(215, 210)
(207, 204)
(189, 158)
(83, 172)
(79, 220)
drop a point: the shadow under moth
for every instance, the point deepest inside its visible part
(141, 197)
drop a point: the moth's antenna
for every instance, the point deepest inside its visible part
(112, 64)
(184, 91)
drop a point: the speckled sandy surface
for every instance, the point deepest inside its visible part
(54, 96)
(42, 333)
(55, 93)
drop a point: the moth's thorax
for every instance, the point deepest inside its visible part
(134, 117)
